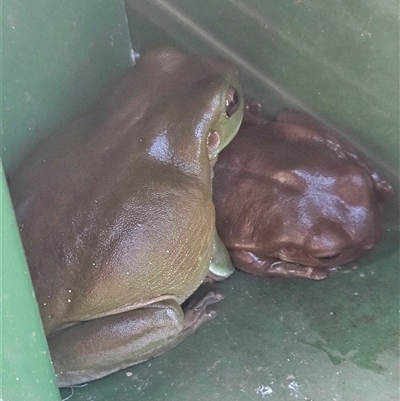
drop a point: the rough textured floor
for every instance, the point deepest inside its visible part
(283, 339)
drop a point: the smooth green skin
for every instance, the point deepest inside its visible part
(116, 215)
(221, 266)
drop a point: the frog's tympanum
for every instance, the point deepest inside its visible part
(116, 214)
(292, 198)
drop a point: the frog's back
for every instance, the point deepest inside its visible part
(118, 242)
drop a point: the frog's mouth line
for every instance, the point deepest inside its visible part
(321, 263)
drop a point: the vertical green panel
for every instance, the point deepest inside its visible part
(339, 59)
(26, 370)
(56, 54)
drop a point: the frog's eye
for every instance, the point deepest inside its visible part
(329, 258)
(232, 101)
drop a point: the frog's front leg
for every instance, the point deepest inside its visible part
(221, 266)
(269, 266)
(93, 349)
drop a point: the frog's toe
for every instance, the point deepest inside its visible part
(200, 311)
(211, 297)
(318, 274)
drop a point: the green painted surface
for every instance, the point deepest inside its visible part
(273, 339)
(55, 57)
(283, 339)
(26, 370)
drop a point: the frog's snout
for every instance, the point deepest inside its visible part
(328, 243)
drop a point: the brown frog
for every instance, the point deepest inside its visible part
(293, 198)
(116, 214)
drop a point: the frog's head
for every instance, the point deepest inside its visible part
(190, 106)
(328, 210)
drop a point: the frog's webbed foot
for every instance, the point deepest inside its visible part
(197, 312)
(269, 266)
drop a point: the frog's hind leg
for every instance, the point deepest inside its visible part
(96, 348)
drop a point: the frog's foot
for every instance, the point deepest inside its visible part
(268, 266)
(287, 269)
(197, 312)
(252, 114)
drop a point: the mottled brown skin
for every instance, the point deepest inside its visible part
(116, 214)
(294, 199)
